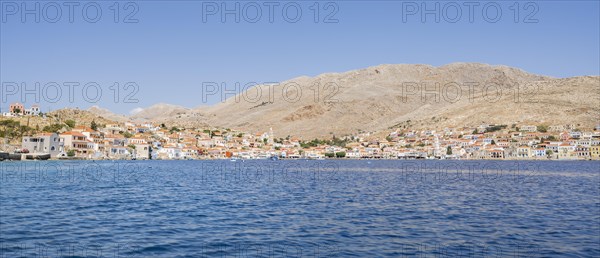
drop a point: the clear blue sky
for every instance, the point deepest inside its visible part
(170, 51)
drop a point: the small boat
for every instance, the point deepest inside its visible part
(274, 158)
(37, 156)
(43, 156)
(14, 156)
(3, 156)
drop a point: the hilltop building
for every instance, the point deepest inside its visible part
(18, 109)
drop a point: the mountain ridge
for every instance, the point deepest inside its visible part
(380, 97)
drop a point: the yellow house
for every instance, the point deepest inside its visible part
(524, 152)
(566, 151)
(595, 152)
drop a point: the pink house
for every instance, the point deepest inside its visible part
(17, 107)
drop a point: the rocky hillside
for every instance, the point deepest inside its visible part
(172, 115)
(389, 96)
(107, 114)
(80, 117)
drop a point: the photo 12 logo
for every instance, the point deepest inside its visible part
(271, 12)
(453, 91)
(269, 92)
(265, 172)
(268, 249)
(69, 11)
(64, 174)
(471, 11)
(68, 249)
(54, 92)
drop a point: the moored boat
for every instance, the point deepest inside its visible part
(15, 156)
(44, 156)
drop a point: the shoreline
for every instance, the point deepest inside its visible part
(328, 159)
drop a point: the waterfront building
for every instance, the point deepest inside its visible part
(44, 143)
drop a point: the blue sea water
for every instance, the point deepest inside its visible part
(300, 209)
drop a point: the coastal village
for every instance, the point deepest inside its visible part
(148, 140)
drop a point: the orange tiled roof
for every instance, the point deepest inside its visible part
(73, 133)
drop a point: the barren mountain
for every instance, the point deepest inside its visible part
(159, 112)
(172, 115)
(388, 96)
(391, 96)
(107, 114)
